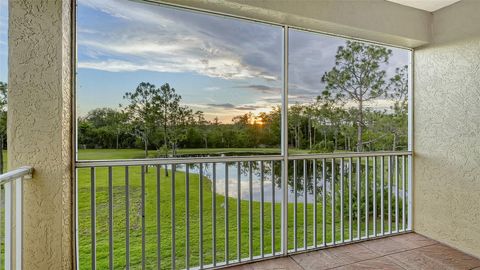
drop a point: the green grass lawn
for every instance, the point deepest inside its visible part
(98, 154)
(165, 206)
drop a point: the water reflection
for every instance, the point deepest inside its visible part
(269, 176)
(305, 173)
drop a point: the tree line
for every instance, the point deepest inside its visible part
(154, 118)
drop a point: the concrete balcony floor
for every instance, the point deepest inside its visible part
(406, 251)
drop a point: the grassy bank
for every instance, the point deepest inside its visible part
(96, 154)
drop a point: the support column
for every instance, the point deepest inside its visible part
(40, 126)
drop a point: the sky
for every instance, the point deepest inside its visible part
(3, 40)
(219, 65)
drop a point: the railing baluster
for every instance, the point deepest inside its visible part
(226, 215)
(8, 226)
(350, 214)
(262, 224)
(214, 213)
(2, 229)
(19, 222)
(159, 248)
(366, 198)
(396, 168)
(410, 192)
(284, 224)
(403, 193)
(324, 202)
(200, 189)
(332, 192)
(374, 196)
(396, 194)
(315, 203)
(187, 216)
(93, 219)
(273, 208)
(359, 227)
(305, 203)
(110, 218)
(250, 211)
(173, 216)
(143, 213)
(295, 205)
(342, 228)
(239, 209)
(382, 185)
(389, 176)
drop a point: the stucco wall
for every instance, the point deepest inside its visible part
(39, 126)
(447, 130)
(375, 20)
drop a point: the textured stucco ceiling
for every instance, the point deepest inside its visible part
(428, 5)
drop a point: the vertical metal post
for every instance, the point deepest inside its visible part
(158, 217)
(374, 196)
(350, 214)
(159, 248)
(305, 203)
(295, 204)
(200, 241)
(324, 202)
(9, 229)
(143, 214)
(2, 240)
(359, 185)
(110, 218)
(410, 192)
(187, 216)
(18, 223)
(173, 216)
(239, 215)
(214, 213)
(382, 186)
(342, 226)
(410, 141)
(262, 210)
(367, 233)
(284, 138)
(2, 243)
(227, 240)
(93, 218)
(396, 194)
(315, 203)
(403, 194)
(273, 209)
(389, 203)
(332, 195)
(250, 211)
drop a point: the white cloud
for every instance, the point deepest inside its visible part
(148, 39)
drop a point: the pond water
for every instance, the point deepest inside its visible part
(269, 188)
(274, 189)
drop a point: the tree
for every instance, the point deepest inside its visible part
(399, 89)
(141, 111)
(202, 125)
(357, 76)
(399, 93)
(3, 121)
(172, 117)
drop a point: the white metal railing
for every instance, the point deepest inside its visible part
(12, 200)
(199, 213)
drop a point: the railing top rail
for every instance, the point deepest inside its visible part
(25, 172)
(350, 154)
(169, 161)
